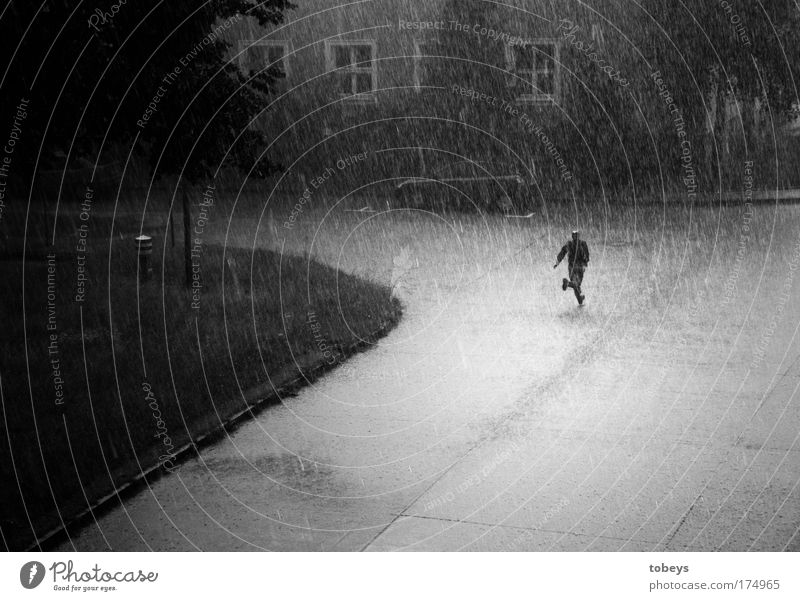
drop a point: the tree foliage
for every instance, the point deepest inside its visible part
(91, 74)
(730, 65)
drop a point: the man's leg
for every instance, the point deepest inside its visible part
(569, 281)
(576, 279)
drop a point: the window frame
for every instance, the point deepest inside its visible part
(286, 45)
(534, 97)
(330, 67)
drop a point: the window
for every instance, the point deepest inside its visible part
(536, 68)
(259, 55)
(354, 69)
(423, 63)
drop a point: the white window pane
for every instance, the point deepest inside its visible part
(363, 83)
(275, 55)
(363, 55)
(546, 83)
(341, 56)
(545, 63)
(343, 83)
(256, 58)
(523, 56)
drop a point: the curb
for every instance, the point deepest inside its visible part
(193, 447)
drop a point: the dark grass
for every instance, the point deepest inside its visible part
(275, 320)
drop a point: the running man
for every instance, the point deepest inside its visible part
(578, 252)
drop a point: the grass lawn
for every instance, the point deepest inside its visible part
(96, 392)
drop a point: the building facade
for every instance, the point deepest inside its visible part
(557, 93)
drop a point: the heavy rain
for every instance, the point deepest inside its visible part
(400, 275)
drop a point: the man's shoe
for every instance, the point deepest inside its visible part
(580, 299)
(564, 284)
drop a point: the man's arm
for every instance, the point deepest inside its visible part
(560, 256)
(586, 251)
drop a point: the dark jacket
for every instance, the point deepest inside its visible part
(578, 254)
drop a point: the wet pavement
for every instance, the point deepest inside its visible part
(499, 415)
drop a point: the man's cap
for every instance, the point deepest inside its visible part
(575, 232)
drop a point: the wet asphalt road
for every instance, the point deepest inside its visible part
(498, 415)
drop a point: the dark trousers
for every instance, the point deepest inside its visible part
(576, 278)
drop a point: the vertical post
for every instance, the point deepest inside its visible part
(187, 238)
(144, 247)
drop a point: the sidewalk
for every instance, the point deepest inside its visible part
(500, 416)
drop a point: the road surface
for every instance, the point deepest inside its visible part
(498, 415)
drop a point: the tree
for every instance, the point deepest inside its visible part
(89, 74)
(151, 74)
(722, 57)
(711, 57)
